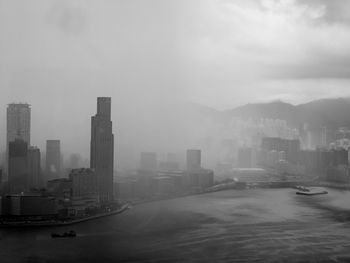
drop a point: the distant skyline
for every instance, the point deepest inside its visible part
(59, 56)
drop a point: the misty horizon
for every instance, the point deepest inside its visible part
(150, 56)
(174, 131)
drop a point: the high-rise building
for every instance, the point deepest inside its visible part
(53, 160)
(18, 166)
(18, 122)
(18, 126)
(34, 168)
(0, 179)
(102, 148)
(290, 147)
(193, 158)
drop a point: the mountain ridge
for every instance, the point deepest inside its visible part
(329, 112)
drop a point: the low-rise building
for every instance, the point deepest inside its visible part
(84, 182)
(249, 174)
(85, 193)
(29, 206)
(201, 179)
(60, 188)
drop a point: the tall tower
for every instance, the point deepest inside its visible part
(18, 166)
(102, 148)
(18, 126)
(53, 159)
(18, 122)
(34, 167)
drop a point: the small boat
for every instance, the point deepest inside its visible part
(311, 191)
(70, 233)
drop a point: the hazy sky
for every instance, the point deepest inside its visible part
(60, 55)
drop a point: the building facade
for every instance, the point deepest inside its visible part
(18, 166)
(18, 122)
(53, 159)
(18, 126)
(25, 206)
(102, 149)
(60, 188)
(84, 182)
(34, 168)
(291, 147)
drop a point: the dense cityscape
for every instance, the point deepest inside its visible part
(174, 131)
(32, 194)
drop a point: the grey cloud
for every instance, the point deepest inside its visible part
(67, 18)
(61, 55)
(319, 65)
(336, 11)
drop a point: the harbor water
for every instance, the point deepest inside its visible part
(256, 225)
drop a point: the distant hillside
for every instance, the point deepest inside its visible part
(273, 110)
(326, 112)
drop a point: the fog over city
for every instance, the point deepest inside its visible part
(174, 131)
(157, 58)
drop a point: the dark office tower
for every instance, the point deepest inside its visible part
(18, 166)
(18, 125)
(245, 157)
(18, 122)
(148, 162)
(53, 160)
(0, 179)
(102, 149)
(34, 168)
(193, 158)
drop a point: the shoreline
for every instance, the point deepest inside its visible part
(308, 183)
(63, 223)
(135, 203)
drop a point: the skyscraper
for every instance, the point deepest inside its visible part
(34, 168)
(18, 126)
(18, 166)
(18, 122)
(102, 148)
(53, 159)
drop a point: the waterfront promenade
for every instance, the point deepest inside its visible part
(51, 223)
